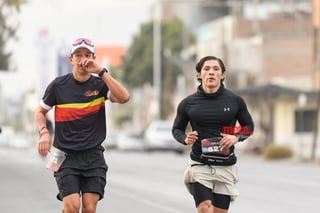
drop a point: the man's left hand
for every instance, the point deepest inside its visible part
(228, 140)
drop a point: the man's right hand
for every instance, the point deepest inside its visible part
(44, 144)
(191, 137)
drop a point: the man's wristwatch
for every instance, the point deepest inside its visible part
(240, 137)
(102, 72)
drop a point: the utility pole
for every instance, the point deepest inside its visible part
(157, 57)
(316, 62)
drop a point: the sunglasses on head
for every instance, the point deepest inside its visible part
(85, 40)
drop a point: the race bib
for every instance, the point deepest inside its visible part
(211, 146)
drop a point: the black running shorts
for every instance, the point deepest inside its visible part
(202, 193)
(82, 172)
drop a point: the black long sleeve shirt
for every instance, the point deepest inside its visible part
(210, 115)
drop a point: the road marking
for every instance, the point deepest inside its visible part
(147, 202)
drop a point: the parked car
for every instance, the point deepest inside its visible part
(7, 133)
(111, 140)
(123, 140)
(158, 136)
(21, 140)
(129, 142)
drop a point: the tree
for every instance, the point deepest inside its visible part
(138, 61)
(9, 8)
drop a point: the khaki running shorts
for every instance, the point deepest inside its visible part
(221, 179)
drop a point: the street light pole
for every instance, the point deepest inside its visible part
(316, 59)
(157, 57)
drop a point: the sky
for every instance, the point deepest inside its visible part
(105, 22)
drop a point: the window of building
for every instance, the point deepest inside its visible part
(304, 120)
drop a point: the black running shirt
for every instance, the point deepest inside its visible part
(79, 113)
(210, 115)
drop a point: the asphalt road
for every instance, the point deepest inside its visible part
(142, 183)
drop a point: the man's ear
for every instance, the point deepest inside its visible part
(198, 75)
(224, 75)
(70, 58)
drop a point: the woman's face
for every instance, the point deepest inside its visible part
(211, 76)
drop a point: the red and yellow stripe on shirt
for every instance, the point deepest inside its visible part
(75, 111)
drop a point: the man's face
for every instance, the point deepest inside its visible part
(211, 75)
(78, 56)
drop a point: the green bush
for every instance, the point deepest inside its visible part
(277, 152)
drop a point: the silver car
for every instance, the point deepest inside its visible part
(158, 136)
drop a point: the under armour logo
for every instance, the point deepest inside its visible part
(226, 109)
